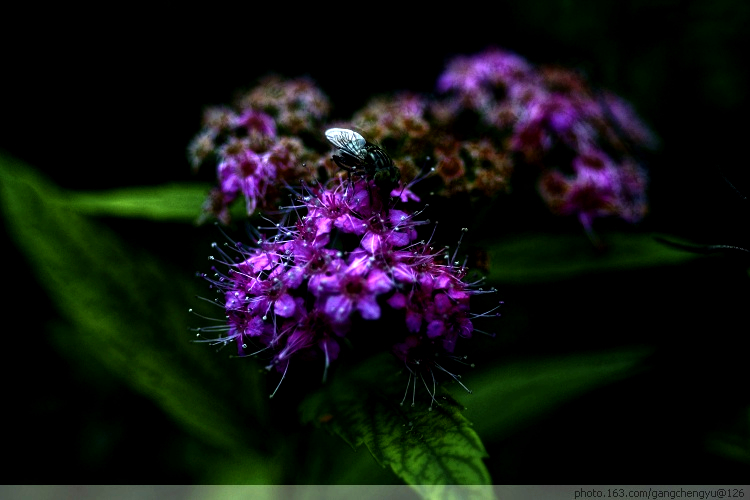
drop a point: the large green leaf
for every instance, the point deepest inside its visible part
(424, 445)
(510, 395)
(535, 257)
(171, 202)
(128, 312)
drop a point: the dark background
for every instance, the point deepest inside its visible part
(102, 99)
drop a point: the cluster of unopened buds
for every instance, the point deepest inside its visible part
(298, 293)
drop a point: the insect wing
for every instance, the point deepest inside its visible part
(347, 141)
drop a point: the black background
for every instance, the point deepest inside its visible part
(102, 98)
(106, 98)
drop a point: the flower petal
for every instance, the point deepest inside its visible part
(284, 306)
(368, 307)
(338, 308)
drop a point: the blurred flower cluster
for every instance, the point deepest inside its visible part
(495, 114)
(258, 146)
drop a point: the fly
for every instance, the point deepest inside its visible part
(359, 157)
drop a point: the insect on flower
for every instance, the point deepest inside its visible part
(357, 156)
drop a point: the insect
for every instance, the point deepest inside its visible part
(357, 156)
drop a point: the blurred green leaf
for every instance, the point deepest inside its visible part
(425, 445)
(509, 395)
(733, 441)
(171, 202)
(530, 258)
(129, 314)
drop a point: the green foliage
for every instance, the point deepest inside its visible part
(172, 202)
(537, 258)
(424, 445)
(525, 390)
(129, 313)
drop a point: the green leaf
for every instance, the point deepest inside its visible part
(510, 395)
(171, 202)
(128, 313)
(530, 258)
(422, 446)
(732, 440)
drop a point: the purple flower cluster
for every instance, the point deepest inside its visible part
(473, 78)
(255, 146)
(581, 141)
(497, 113)
(598, 188)
(298, 293)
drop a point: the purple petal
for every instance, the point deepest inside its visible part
(350, 224)
(323, 226)
(234, 300)
(359, 264)
(338, 308)
(331, 347)
(328, 283)
(465, 327)
(435, 328)
(284, 306)
(368, 307)
(413, 321)
(256, 121)
(378, 282)
(443, 281)
(228, 179)
(403, 273)
(449, 344)
(442, 303)
(294, 277)
(372, 243)
(259, 262)
(399, 238)
(397, 301)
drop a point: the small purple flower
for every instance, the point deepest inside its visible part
(396, 231)
(474, 76)
(588, 197)
(336, 209)
(357, 288)
(256, 122)
(551, 119)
